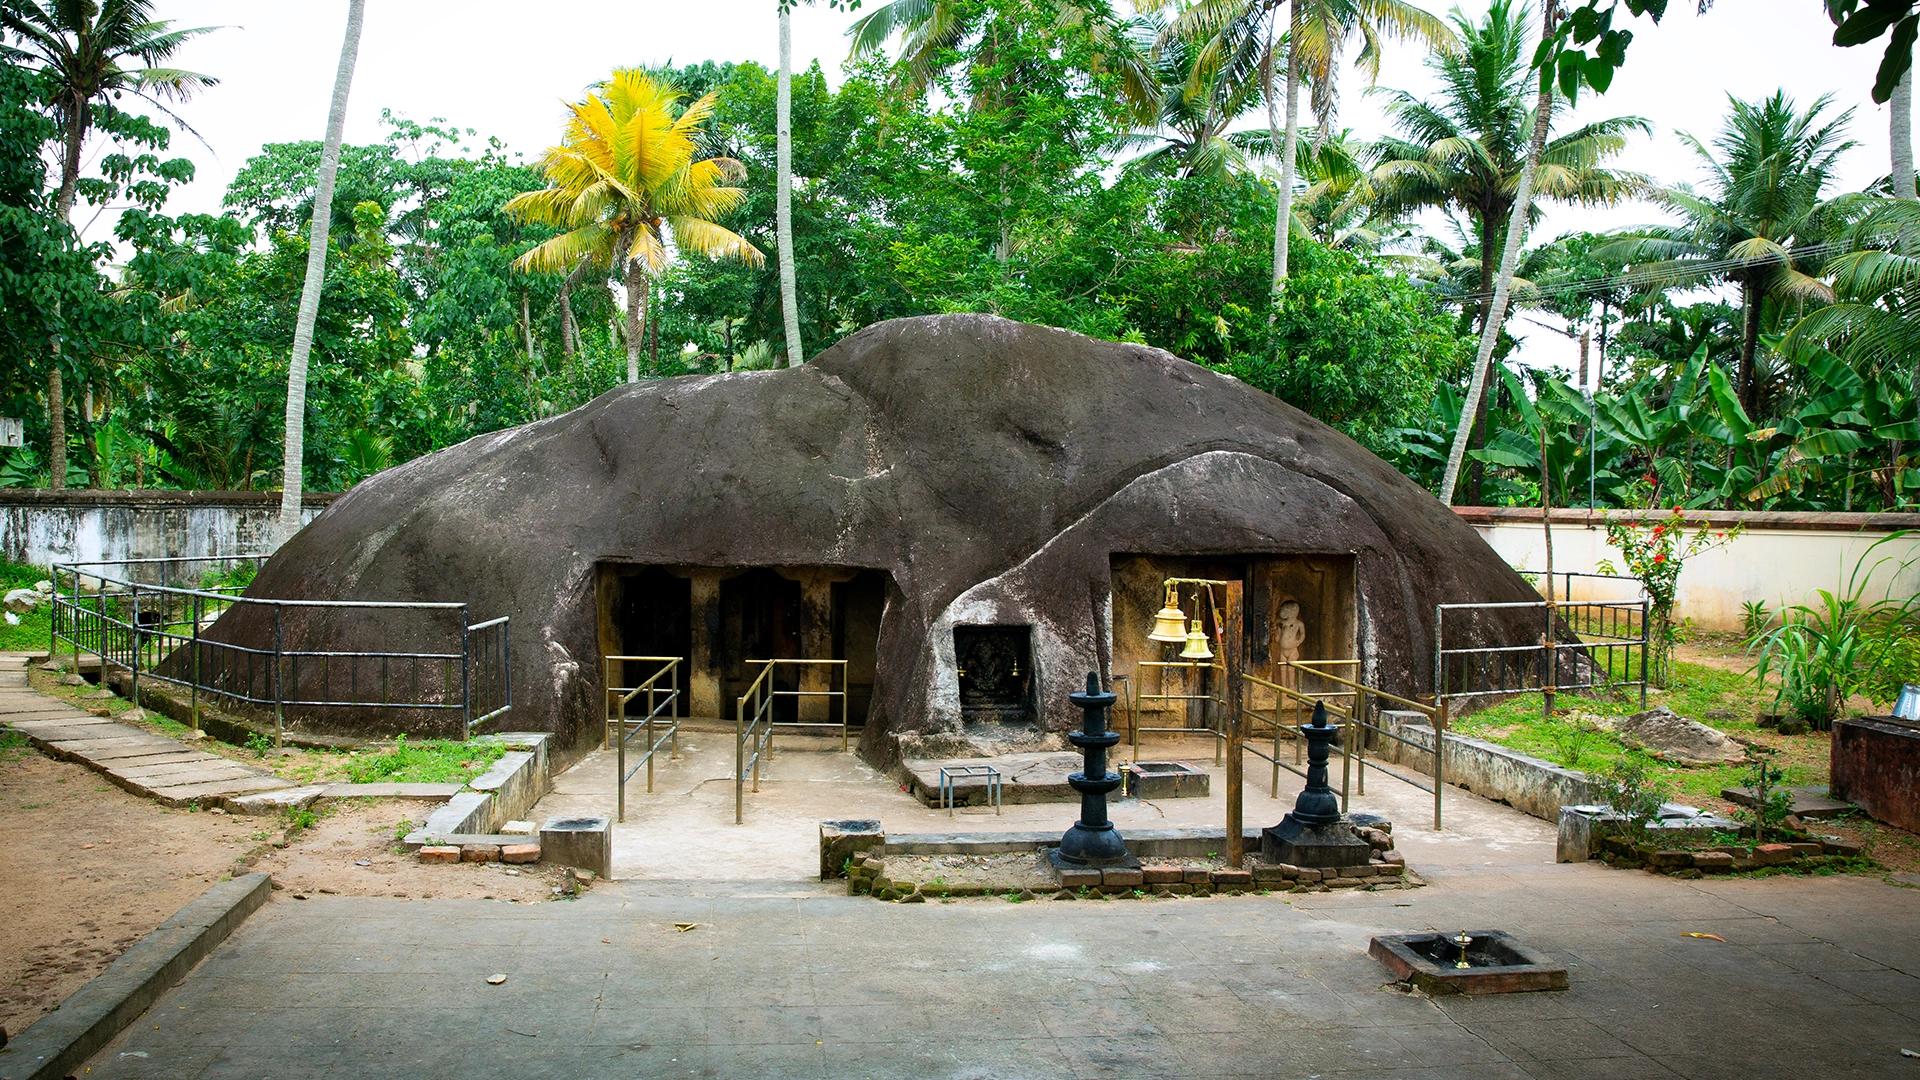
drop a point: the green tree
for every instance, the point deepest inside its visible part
(292, 472)
(625, 184)
(1470, 149)
(91, 52)
(1760, 223)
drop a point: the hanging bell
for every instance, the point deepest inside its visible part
(1197, 648)
(1170, 624)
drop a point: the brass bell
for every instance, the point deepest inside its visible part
(1170, 624)
(1197, 648)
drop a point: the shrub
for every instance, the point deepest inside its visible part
(1842, 644)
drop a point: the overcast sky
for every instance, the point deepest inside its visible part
(505, 69)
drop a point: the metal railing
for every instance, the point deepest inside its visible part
(1359, 717)
(1288, 699)
(1578, 645)
(154, 631)
(663, 693)
(1627, 588)
(753, 722)
(1213, 702)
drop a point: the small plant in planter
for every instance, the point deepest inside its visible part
(1635, 795)
(1772, 803)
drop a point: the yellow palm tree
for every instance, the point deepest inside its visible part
(628, 190)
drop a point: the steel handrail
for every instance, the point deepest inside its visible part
(625, 729)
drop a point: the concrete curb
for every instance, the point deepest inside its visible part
(60, 1042)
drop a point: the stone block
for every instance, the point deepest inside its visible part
(1197, 875)
(1713, 862)
(1073, 878)
(1309, 875)
(1670, 860)
(439, 853)
(1355, 870)
(1122, 877)
(518, 828)
(1182, 889)
(1772, 854)
(1804, 849)
(1376, 839)
(1393, 858)
(1272, 875)
(519, 853)
(479, 852)
(582, 842)
(1344, 882)
(842, 840)
(1227, 876)
(1389, 870)
(1162, 875)
(1847, 848)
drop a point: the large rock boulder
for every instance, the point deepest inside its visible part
(992, 470)
(1672, 737)
(21, 601)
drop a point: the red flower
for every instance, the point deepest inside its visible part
(1658, 529)
(1659, 556)
(1677, 512)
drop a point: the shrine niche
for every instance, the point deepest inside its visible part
(995, 672)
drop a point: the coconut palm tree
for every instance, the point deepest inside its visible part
(783, 192)
(1900, 136)
(1339, 205)
(294, 438)
(627, 189)
(1243, 37)
(1482, 146)
(92, 52)
(1767, 175)
(1190, 133)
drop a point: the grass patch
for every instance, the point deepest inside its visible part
(35, 626)
(13, 746)
(1726, 700)
(428, 761)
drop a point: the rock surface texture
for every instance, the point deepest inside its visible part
(990, 469)
(1667, 735)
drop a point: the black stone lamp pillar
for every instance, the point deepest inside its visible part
(1093, 841)
(1314, 833)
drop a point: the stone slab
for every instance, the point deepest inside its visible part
(160, 774)
(273, 802)
(59, 1043)
(1810, 801)
(133, 759)
(116, 742)
(582, 842)
(434, 792)
(185, 793)
(1175, 842)
(467, 812)
(1024, 778)
(515, 784)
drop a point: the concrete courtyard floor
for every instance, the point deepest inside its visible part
(685, 831)
(785, 977)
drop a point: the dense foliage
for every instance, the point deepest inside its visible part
(999, 164)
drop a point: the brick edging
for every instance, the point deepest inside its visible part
(59, 1043)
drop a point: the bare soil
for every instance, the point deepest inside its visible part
(89, 869)
(1010, 871)
(327, 858)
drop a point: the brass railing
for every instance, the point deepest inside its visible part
(753, 722)
(1189, 667)
(663, 692)
(1353, 751)
(1276, 727)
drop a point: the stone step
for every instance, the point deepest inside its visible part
(154, 766)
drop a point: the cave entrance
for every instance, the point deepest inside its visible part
(721, 618)
(995, 668)
(1302, 607)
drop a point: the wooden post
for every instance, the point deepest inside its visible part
(1236, 838)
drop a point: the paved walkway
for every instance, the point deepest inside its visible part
(685, 829)
(144, 763)
(1816, 977)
